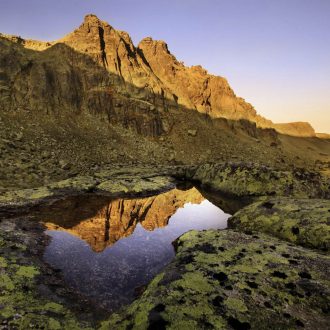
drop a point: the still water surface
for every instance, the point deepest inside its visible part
(107, 249)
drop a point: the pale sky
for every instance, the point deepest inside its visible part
(274, 53)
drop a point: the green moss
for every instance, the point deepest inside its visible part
(112, 186)
(79, 183)
(253, 180)
(54, 324)
(54, 307)
(194, 311)
(236, 304)
(3, 262)
(6, 282)
(7, 312)
(41, 193)
(27, 271)
(141, 315)
(183, 324)
(247, 268)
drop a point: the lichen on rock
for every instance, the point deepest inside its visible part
(304, 222)
(257, 180)
(226, 279)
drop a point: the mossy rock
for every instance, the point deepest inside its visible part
(136, 185)
(257, 180)
(115, 183)
(22, 304)
(78, 183)
(25, 195)
(229, 280)
(304, 222)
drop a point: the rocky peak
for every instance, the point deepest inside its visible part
(92, 19)
(89, 38)
(158, 49)
(92, 24)
(155, 45)
(101, 41)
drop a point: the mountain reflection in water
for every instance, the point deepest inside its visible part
(107, 248)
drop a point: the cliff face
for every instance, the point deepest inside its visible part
(99, 70)
(194, 87)
(64, 82)
(296, 129)
(118, 218)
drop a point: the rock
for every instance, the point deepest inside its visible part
(192, 132)
(8, 143)
(296, 129)
(304, 222)
(64, 165)
(240, 179)
(46, 154)
(19, 136)
(225, 279)
(171, 157)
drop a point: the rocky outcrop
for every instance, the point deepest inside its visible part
(301, 129)
(304, 222)
(228, 280)
(323, 136)
(254, 180)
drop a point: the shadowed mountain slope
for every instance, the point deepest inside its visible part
(93, 99)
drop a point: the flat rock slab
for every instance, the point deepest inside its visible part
(257, 180)
(229, 280)
(301, 221)
(138, 181)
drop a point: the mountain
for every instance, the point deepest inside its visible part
(93, 98)
(149, 73)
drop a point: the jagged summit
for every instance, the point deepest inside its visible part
(89, 18)
(158, 44)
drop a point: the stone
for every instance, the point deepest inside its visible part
(192, 132)
(225, 279)
(301, 221)
(171, 157)
(252, 180)
(64, 165)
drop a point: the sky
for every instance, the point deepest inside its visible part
(274, 53)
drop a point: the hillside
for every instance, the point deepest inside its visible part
(93, 99)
